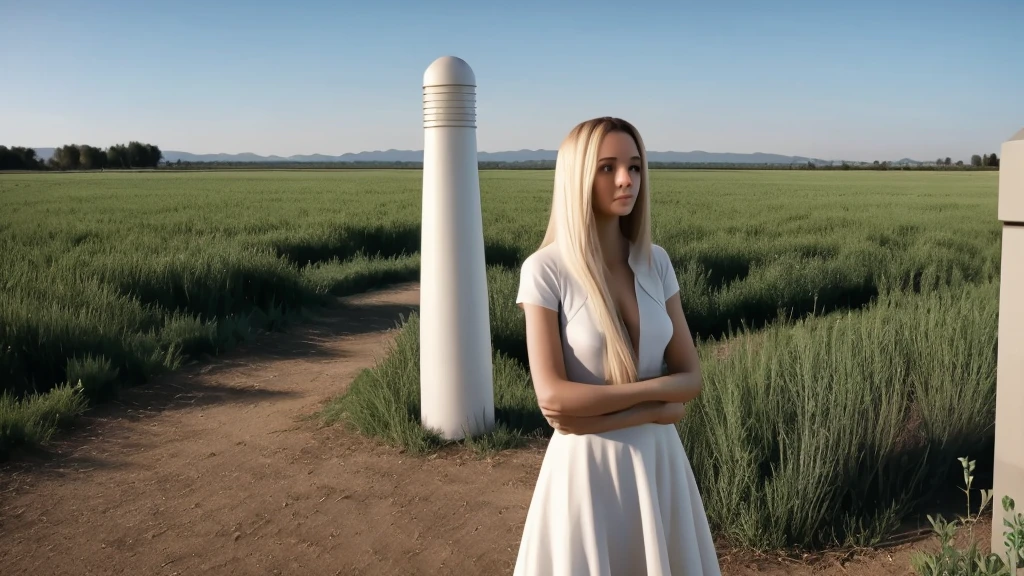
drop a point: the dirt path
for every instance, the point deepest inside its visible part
(218, 469)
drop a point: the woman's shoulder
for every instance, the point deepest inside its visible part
(660, 259)
(545, 260)
(540, 280)
(659, 254)
(665, 271)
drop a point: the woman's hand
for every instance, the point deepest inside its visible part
(670, 413)
(569, 424)
(565, 424)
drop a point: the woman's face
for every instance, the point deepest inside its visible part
(617, 181)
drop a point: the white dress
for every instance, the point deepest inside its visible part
(619, 503)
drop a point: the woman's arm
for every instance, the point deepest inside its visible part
(557, 395)
(564, 397)
(681, 353)
(643, 413)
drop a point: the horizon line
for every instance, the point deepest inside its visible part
(513, 150)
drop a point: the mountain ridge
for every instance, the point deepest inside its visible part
(521, 155)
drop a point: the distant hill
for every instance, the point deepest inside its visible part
(694, 157)
(697, 156)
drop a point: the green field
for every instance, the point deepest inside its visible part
(846, 320)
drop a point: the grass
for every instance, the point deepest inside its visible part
(32, 420)
(828, 430)
(846, 320)
(116, 277)
(384, 401)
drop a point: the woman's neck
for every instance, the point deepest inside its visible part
(614, 245)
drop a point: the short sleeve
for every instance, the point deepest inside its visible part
(666, 271)
(538, 283)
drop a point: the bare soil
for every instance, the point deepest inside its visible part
(223, 468)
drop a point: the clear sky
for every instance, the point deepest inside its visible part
(858, 80)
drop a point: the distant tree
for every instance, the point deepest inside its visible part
(117, 156)
(948, 161)
(91, 158)
(155, 154)
(137, 154)
(19, 158)
(143, 155)
(976, 160)
(959, 162)
(992, 160)
(67, 157)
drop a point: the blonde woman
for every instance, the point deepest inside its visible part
(613, 365)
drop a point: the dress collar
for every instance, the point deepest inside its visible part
(644, 271)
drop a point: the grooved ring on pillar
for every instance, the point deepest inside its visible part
(451, 106)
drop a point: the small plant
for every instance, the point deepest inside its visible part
(1014, 539)
(950, 561)
(986, 495)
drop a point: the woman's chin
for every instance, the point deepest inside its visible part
(616, 210)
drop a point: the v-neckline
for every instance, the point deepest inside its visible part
(644, 282)
(639, 309)
(639, 319)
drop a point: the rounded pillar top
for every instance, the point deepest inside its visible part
(449, 71)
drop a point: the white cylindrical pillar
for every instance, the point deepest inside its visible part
(1008, 475)
(456, 377)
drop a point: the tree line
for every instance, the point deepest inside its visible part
(141, 155)
(82, 157)
(990, 160)
(550, 165)
(977, 162)
(19, 158)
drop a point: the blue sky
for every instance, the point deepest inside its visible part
(833, 79)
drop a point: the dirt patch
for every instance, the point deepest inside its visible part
(219, 469)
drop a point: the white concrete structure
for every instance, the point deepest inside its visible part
(456, 378)
(1009, 448)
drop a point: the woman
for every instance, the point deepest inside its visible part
(613, 365)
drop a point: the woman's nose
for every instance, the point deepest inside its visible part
(624, 178)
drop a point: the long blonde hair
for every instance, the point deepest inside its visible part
(572, 227)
